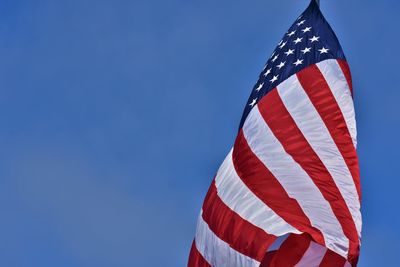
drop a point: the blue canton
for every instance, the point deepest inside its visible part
(309, 40)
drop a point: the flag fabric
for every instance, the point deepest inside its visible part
(288, 193)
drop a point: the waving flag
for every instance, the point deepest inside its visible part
(288, 193)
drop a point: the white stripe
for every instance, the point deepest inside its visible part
(313, 256)
(347, 264)
(336, 80)
(315, 131)
(239, 198)
(216, 252)
(294, 180)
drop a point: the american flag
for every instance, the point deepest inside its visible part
(288, 193)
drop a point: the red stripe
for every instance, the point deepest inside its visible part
(292, 139)
(331, 259)
(291, 251)
(346, 71)
(317, 89)
(196, 259)
(324, 101)
(263, 184)
(241, 235)
(269, 256)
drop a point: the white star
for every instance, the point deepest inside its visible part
(280, 42)
(314, 39)
(282, 45)
(281, 65)
(289, 52)
(306, 50)
(275, 58)
(253, 102)
(291, 33)
(274, 79)
(259, 87)
(298, 62)
(323, 50)
(268, 72)
(301, 22)
(298, 40)
(307, 29)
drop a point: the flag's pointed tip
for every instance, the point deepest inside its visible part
(314, 3)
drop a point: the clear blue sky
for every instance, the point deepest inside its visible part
(115, 115)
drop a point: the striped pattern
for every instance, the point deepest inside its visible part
(288, 193)
(305, 253)
(285, 174)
